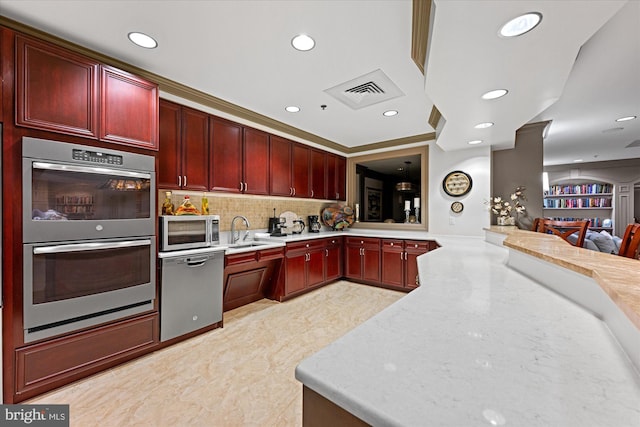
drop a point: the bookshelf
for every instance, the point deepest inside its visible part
(584, 200)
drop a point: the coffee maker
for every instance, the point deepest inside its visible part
(275, 225)
(314, 224)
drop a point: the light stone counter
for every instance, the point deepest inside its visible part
(478, 344)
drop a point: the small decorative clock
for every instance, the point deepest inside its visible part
(457, 183)
(457, 207)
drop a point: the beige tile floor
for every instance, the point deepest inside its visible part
(240, 375)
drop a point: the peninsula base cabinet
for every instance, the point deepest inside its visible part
(399, 261)
(362, 259)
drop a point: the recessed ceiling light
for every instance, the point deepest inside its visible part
(483, 125)
(303, 42)
(624, 119)
(475, 142)
(390, 113)
(493, 94)
(292, 109)
(142, 40)
(577, 161)
(521, 24)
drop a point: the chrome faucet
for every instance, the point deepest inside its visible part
(235, 238)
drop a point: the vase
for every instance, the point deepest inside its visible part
(506, 220)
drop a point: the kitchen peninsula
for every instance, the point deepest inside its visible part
(477, 344)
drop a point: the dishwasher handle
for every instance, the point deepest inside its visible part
(197, 262)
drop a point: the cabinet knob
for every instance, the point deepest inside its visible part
(391, 243)
(361, 242)
(416, 246)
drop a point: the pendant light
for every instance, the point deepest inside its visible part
(406, 186)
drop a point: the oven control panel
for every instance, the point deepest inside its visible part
(97, 157)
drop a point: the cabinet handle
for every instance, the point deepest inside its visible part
(311, 193)
(401, 256)
(294, 191)
(417, 280)
(291, 191)
(337, 195)
(406, 256)
(179, 180)
(185, 180)
(246, 187)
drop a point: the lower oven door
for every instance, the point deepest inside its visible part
(73, 285)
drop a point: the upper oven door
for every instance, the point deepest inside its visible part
(68, 201)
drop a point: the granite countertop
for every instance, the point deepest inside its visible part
(618, 276)
(478, 344)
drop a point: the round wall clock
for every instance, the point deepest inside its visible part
(457, 183)
(457, 207)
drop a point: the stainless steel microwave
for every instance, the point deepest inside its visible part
(179, 232)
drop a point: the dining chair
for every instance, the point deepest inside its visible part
(564, 229)
(630, 246)
(536, 224)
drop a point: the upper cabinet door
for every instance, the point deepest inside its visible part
(301, 155)
(129, 109)
(56, 90)
(280, 162)
(341, 178)
(195, 149)
(226, 156)
(318, 174)
(170, 155)
(256, 161)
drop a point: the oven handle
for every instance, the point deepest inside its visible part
(78, 247)
(88, 169)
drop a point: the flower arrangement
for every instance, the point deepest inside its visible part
(504, 208)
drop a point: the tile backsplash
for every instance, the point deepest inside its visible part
(257, 209)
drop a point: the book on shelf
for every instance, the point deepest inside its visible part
(577, 203)
(594, 188)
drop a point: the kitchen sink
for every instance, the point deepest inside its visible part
(247, 244)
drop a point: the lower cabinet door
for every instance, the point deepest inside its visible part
(412, 270)
(392, 267)
(315, 268)
(371, 265)
(295, 273)
(353, 262)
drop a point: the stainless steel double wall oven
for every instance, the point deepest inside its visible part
(88, 236)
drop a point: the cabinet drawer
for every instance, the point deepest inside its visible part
(361, 241)
(305, 245)
(418, 245)
(268, 254)
(52, 363)
(333, 241)
(241, 258)
(389, 244)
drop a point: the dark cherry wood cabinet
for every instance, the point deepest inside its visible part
(129, 109)
(393, 262)
(183, 161)
(362, 259)
(341, 178)
(399, 261)
(56, 90)
(239, 158)
(43, 366)
(304, 266)
(336, 177)
(226, 156)
(61, 91)
(250, 276)
(300, 177)
(333, 259)
(318, 163)
(280, 162)
(255, 165)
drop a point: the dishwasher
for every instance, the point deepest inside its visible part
(190, 290)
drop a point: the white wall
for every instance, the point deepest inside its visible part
(470, 222)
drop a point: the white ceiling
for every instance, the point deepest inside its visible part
(240, 51)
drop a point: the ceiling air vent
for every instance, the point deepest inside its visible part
(635, 143)
(366, 90)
